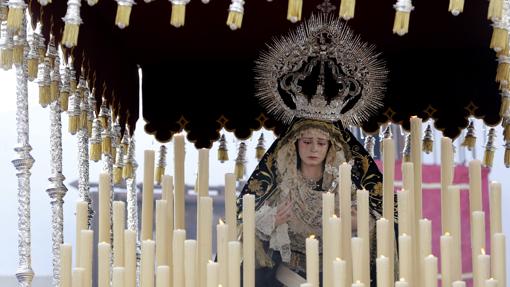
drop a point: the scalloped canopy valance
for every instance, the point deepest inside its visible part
(200, 77)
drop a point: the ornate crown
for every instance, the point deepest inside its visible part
(321, 71)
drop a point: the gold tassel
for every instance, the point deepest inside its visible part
(347, 9)
(503, 72)
(499, 40)
(506, 129)
(117, 175)
(488, 158)
(95, 151)
(15, 16)
(160, 171)
(428, 142)
(70, 37)
(17, 54)
(505, 103)
(73, 124)
(456, 7)
(73, 84)
(507, 155)
(84, 119)
(6, 55)
(123, 13)
(32, 64)
(106, 144)
(240, 167)
(234, 20)
(178, 13)
(401, 24)
(470, 138)
(4, 11)
(222, 150)
(44, 95)
(89, 126)
(127, 170)
(260, 150)
(64, 101)
(495, 11)
(294, 10)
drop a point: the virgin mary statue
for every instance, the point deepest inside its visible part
(318, 80)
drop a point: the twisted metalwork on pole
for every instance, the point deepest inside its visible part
(23, 163)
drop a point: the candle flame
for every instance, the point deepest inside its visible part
(221, 222)
(338, 259)
(483, 251)
(312, 236)
(358, 282)
(334, 216)
(210, 261)
(402, 279)
(447, 233)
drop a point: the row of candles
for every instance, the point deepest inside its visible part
(346, 259)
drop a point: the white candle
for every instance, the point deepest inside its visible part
(230, 206)
(425, 238)
(446, 259)
(416, 153)
(119, 277)
(499, 258)
(339, 275)
(147, 195)
(163, 276)
(492, 283)
(87, 238)
(203, 172)
(204, 238)
(477, 242)
(404, 220)
(383, 238)
(119, 219)
(168, 190)
(66, 253)
(103, 264)
(312, 261)
(483, 268)
(147, 264)
(408, 178)
(248, 240)
(105, 197)
(388, 198)
(335, 227)
(345, 183)
(179, 170)
(234, 264)
(78, 277)
(357, 246)
(130, 257)
(454, 216)
(447, 171)
(328, 209)
(405, 257)
(475, 185)
(178, 260)
(401, 283)
(212, 274)
(363, 232)
(358, 284)
(430, 273)
(222, 251)
(495, 208)
(161, 233)
(190, 263)
(82, 214)
(383, 271)
(459, 284)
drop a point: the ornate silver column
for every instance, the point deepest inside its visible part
(23, 163)
(56, 190)
(83, 156)
(132, 203)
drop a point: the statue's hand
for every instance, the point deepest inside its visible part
(283, 213)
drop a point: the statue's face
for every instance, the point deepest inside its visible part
(312, 147)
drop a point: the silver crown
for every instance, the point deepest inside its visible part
(326, 71)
